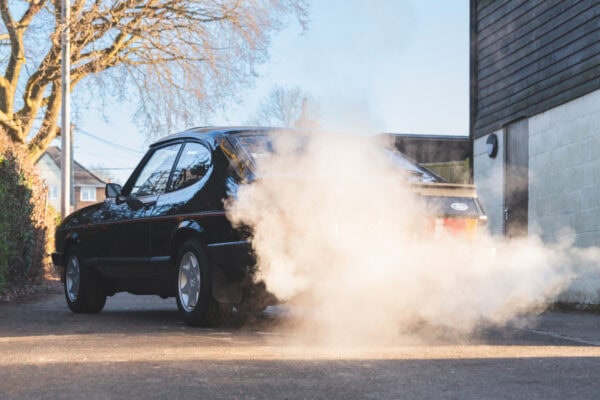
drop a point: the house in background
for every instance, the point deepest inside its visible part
(446, 155)
(88, 188)
(535, 121)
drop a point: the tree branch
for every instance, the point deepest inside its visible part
(183, 55)
(7, 86)
(34, 7)
(49, 128)
(11, 127)
(36, 85)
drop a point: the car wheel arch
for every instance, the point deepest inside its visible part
(185, 230)
(70, 240)
(88, 294)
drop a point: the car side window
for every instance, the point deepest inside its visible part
(154, 176)
(193, 165)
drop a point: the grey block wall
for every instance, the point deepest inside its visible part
(564, 172)
(564, 185)
(488, 176)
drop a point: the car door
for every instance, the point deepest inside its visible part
(128, 216)
(186, 196)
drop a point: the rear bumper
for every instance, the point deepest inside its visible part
(231, 262)
(233, 258)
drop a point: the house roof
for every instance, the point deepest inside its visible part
(81, 175)
(432, 148)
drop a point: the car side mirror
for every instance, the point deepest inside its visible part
(112, 190)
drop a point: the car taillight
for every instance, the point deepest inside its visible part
(454, 226)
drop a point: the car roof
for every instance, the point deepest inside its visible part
(212, 134)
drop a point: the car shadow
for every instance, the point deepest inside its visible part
(142, 315)
(123, 313)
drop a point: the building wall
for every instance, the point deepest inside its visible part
(100, 196)
(530, 56)
(564, 172)
(488, 176)
(564, 186)
(539, 60)
(50, 174)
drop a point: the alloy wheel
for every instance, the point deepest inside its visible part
(73, 278)
(189, 281)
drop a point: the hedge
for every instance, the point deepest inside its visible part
(23, 226)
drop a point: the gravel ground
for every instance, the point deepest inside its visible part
(33, 291)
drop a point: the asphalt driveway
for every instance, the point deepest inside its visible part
(139, 348)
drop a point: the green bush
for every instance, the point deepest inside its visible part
(23, 241)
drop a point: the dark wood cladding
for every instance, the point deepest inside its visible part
(528, 56)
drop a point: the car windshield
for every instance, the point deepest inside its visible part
(253, 147)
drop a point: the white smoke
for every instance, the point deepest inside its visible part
(337, 228)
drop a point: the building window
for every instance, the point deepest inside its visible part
(53, 192)
(88, 194)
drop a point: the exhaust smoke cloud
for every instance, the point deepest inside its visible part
(338, 231)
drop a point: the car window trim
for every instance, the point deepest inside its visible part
(133, 177)
(184, 143)
(243, 168)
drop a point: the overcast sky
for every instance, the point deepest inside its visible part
(371, 66)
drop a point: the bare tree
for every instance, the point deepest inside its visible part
(181, 57)
(102, 172)
(287, 107)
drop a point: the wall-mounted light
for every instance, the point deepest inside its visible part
(491, 145)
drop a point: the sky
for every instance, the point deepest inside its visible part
(371, 66)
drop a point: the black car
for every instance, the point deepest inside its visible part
(165, 232)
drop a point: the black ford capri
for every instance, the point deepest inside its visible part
(166, 233)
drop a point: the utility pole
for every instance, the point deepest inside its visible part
(72, 167)
(65, 129)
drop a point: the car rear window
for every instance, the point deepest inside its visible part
(253, 147)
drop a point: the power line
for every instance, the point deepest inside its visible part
(137, 152)
(112, 169)
(84, 150)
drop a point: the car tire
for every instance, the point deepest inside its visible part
(195, 300)
(83, 287)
